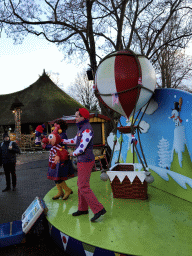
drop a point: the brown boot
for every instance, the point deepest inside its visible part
(60, 192)
(68, 191)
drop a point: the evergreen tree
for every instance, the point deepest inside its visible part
(164, 154)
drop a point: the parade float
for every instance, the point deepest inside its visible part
(147, 190)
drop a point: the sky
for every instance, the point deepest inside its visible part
(22, 64)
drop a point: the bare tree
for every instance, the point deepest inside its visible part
(82, 91)
(93, 28)
(175, 68)
(186, 88)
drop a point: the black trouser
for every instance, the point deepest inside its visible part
(10, 168)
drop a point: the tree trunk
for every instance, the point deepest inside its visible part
(92, 52)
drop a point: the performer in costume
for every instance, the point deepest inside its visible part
(86, 160)
(62, 134)
(38, 134)
(58, 168)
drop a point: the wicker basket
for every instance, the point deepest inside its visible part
(126, 189)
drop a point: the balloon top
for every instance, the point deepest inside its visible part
(125, 81)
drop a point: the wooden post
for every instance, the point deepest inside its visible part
(16, 109)
(18, 126)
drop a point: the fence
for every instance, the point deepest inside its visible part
(27, 142)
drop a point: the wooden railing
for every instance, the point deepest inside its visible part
(27, 142)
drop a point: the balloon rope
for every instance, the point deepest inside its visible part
(140, 158)
(134, 110)
(121, 141)
(115, 53)
(139, 89)
(137, 115)
(144, 111)
(133, 131)
(138, 131)
(137, 86)
(115, 140)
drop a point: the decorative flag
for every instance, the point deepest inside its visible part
(133, 140)
(115, 99)
(89, 249)
(64, 239)
(140, 81)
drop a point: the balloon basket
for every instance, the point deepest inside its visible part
(126, 129)
(127, 183)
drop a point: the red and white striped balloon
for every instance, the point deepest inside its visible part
(119, 72)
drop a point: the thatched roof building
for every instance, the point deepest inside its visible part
(43, 101)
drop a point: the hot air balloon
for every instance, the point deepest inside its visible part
(124, 81)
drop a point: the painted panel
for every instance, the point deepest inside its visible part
(166, 141)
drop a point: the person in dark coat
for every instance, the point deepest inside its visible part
(8, 152)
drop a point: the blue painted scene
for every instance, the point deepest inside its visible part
(165, 138)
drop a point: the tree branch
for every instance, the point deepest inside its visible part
(109, 39)
(168, 43)
(133, 25)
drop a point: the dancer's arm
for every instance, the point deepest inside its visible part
(86, 137)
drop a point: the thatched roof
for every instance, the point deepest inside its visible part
(43, 101)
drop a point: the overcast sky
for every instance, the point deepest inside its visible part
(21, 65)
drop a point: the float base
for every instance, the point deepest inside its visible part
(160, 225)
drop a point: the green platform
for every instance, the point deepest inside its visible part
(161, 225)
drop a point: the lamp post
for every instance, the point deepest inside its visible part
(16, 110)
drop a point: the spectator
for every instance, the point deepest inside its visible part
(8, 150)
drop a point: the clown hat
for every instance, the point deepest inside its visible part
(40, 128)
(84, 112)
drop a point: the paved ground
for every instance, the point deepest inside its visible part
(31, 173)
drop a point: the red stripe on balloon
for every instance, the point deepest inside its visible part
(126, 77)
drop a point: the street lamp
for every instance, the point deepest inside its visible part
(16, 110)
